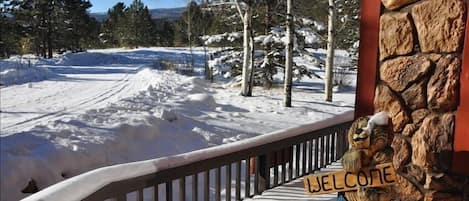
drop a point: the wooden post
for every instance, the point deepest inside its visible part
(461, 147)
(368, 57)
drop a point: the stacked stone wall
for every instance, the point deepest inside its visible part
(421, 43)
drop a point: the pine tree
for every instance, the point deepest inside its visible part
(148, 28)
(130, 26)
(114, 26)
(52, 25)
(36, 19)
(132, 13)
(193, 24)
(140, 27)
(9, 32)
(267, 69)
(90, 39)
(76, 24)
(348, 23)
(268, 27)
(164, 33)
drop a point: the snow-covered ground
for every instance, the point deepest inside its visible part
(112, 106)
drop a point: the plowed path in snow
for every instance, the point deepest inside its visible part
(54, 99)
(82, 87)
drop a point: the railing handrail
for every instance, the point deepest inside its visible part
(83, 185)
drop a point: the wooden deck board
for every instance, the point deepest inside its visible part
(295, 190)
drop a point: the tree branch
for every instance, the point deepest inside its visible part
(239, 11)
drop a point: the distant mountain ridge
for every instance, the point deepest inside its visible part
(157, 13)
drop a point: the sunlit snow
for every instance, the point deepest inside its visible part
(103, 107)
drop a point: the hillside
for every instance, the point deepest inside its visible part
(157, 13)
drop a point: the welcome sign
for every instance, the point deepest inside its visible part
(381, 175)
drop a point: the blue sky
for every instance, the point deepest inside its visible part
(104, 5)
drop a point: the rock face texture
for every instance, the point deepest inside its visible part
(402, 152)
(419, 115)
(437, 196)
(443, 88)
(440, 25)
(416, 173)
(432, 144)
(385, 100)
(398, 73)
(407, 191)
(393, 4)
(395, 36)
(415, 96)
(420, 51)
(409, 130)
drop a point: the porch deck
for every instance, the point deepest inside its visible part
(294, 190)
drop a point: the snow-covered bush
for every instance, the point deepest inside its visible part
(226, 63)
(222, 39)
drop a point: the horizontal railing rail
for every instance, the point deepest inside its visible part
(236, 171)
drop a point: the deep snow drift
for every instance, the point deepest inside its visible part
(19, 70)
(112, 106)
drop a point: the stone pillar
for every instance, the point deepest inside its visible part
(420, 49)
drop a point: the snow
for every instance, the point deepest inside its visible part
(92, 59)
(222, 64)
(342, 58)
(109, 107)
(378, 119)
(278, 35)
(19, 70)
(311, 37)
(169, 115)
(77, 188)
(202, 100)
(317, 24)
(218, 38)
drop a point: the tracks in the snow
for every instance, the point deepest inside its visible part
(73, 102)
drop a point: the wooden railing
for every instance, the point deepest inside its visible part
(232, 171)
(259, 168)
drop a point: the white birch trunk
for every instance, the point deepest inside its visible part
(330, 52)
(251, 64)
(289, 56)
(247, 51)
(189, 37)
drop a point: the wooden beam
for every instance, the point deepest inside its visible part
(461, 138)
(368, 57)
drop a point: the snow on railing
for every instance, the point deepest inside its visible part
(81, 186)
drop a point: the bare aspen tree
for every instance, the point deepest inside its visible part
(253, 67)
(330, 52)
(246, 18)
(289, 56)
(189, 34)
(207, 70)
